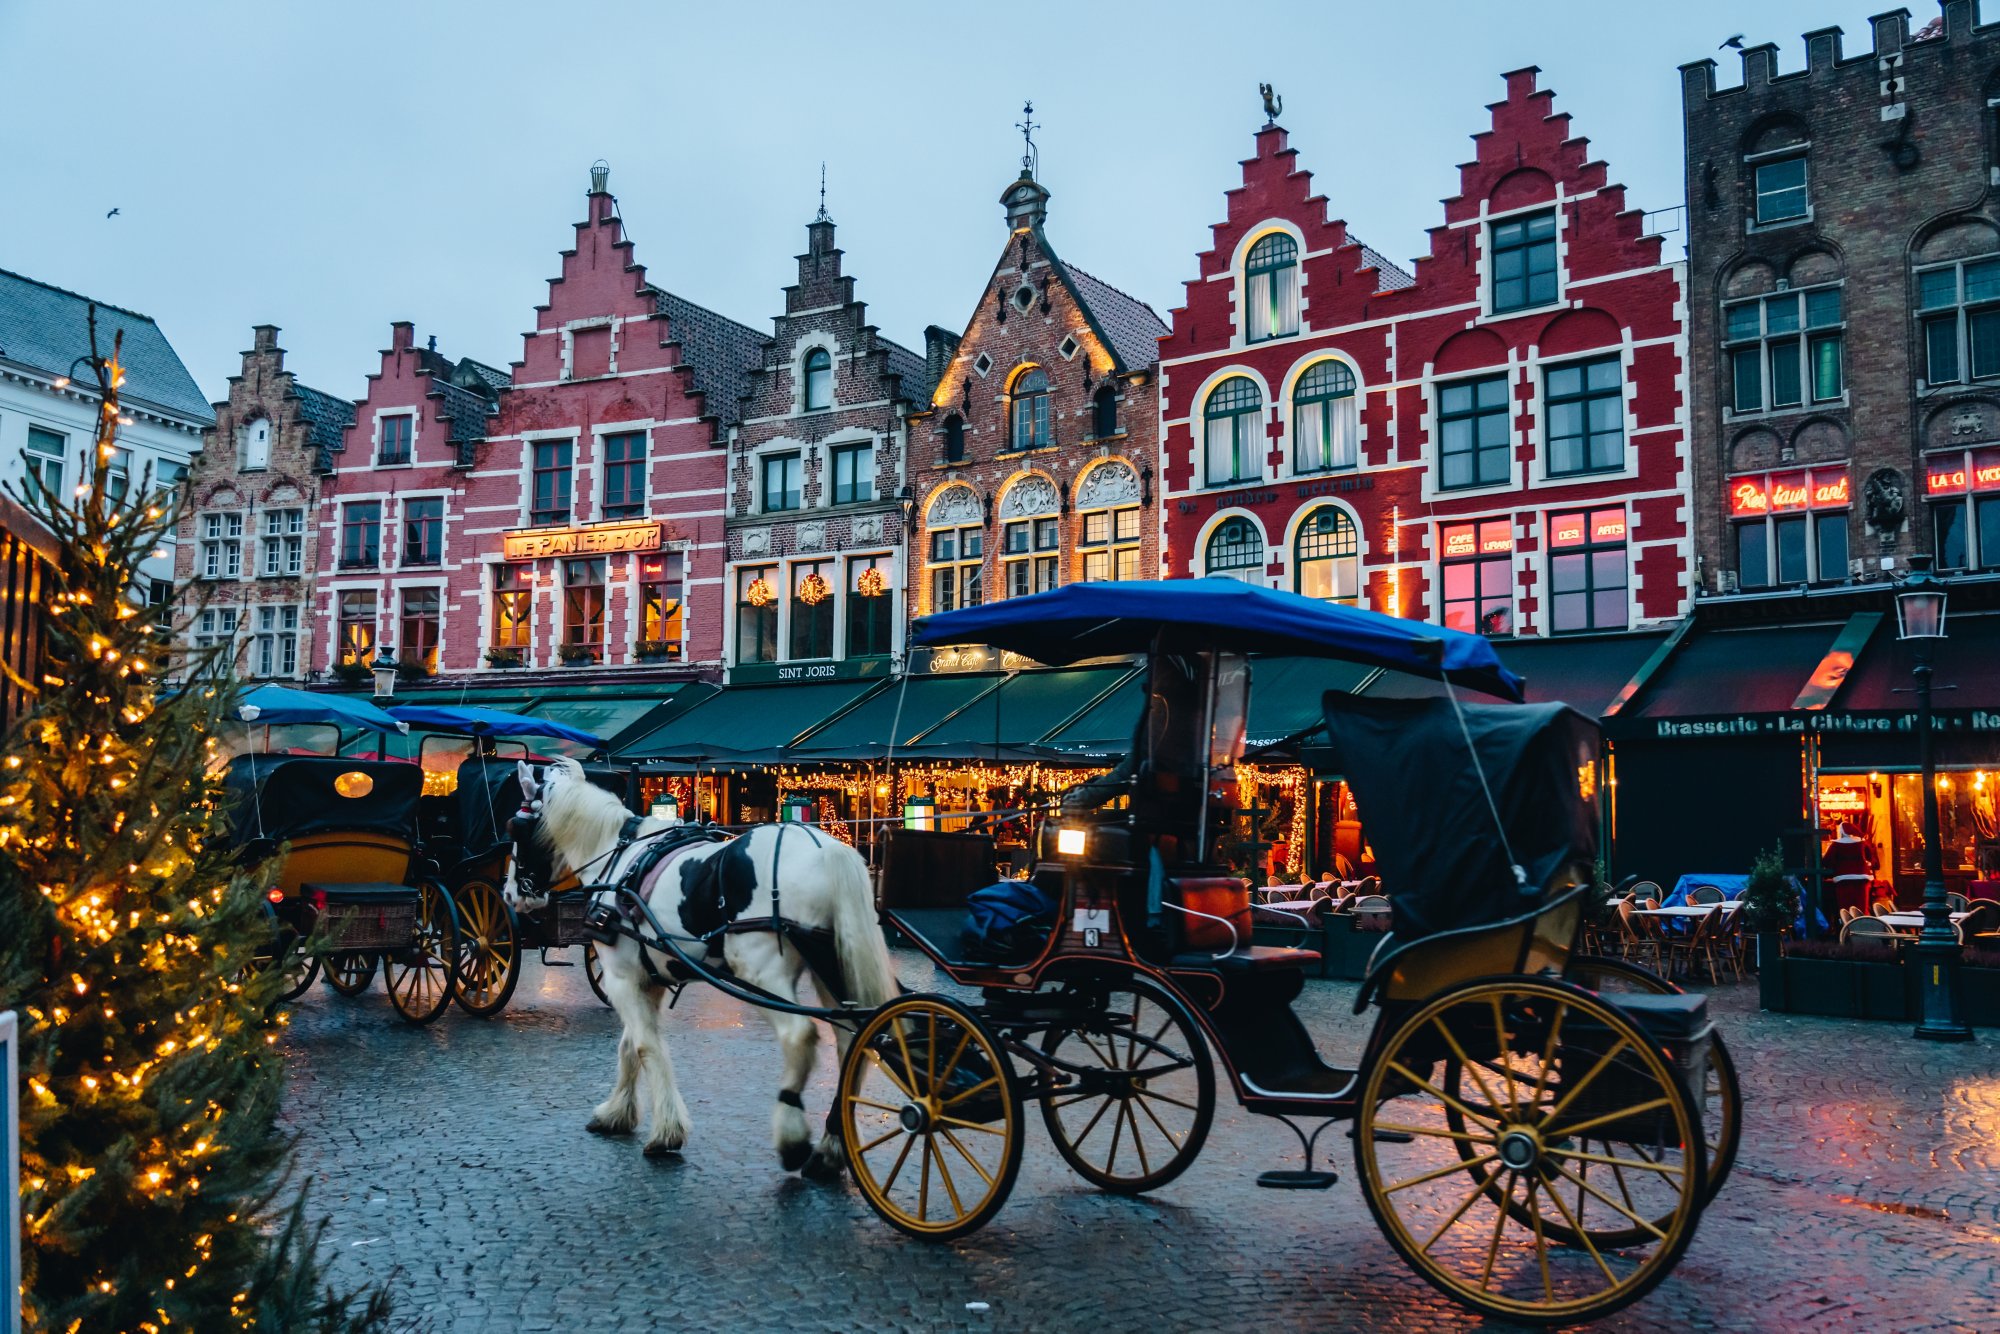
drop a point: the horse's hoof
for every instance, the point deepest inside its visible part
(795, 1156)
(819, 1168)
(659, 1150)
(597, 1127)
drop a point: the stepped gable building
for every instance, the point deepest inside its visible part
(816, 534)
(1495, 441)
(1856, 194)
(398, 544)
(249, 534)
(1034, 465)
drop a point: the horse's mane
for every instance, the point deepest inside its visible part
(579, 815)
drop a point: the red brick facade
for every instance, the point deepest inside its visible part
(1514, 407)
(248, 532)
(1040, 444)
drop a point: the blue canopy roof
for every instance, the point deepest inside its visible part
(475, 721)
(1096, 620)
(274, 706)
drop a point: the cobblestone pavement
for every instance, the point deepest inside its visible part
(453, 1164)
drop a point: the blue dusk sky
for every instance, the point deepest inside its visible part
(331, 167)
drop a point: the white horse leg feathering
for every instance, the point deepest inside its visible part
(826, 886)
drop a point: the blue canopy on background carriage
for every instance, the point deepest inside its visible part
(1095, 620)
(276, 706)
(1446, 838)
(471, 720)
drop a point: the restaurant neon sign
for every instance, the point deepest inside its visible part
(1778, 493)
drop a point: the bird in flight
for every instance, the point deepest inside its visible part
(112, 214)
(1736, 42)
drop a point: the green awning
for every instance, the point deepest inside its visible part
(911, 706)
(1106, 727)
(1027, 707)
(742, 720)
(1286, 695)
(602, 718)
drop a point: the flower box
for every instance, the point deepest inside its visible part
(500, 657)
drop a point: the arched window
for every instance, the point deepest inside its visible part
(1271, 288)
(1235, 551)
(1326, 557)
(954, 439)
(1104, 413)
(1031, 410)
(819, 379)
(1232, 420)
(1326, 419)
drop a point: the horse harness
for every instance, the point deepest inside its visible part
(814, 944)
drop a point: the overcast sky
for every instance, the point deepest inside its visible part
(331, 167)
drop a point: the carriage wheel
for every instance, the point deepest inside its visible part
(1722, 1097)
(1549, 1063)
(593, 971)
(932, 1117)
(420, 976)
(489, 949)
(1139, 1115)
(296, 967)
(349, 973)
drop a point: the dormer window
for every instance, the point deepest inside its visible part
(818, 380)
(396, 433)
(1524, 262)
(257, 444)
(1271, 288)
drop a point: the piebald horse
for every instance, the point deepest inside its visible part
(822, 882)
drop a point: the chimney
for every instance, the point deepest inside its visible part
(940, 346)
(401, 334)
(265, 338)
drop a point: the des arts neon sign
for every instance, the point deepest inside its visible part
(1567, 530)
(1754, 497)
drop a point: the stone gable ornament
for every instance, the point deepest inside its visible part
(1029, 497)
(868, 528)
(954, 505)
(812, 536)
(1883, 498)
(1108, 484)
(1274, 105)
(1969, 422)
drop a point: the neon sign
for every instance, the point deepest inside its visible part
(1755, 497)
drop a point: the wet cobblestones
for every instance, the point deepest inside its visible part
(453, 1164)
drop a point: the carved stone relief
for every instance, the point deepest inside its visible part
(1030, 496)
(1108, 484)
(756, 541)
(954, 505)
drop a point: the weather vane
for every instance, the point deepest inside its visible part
(822, 195)
(1274, 105)
(1030, 155)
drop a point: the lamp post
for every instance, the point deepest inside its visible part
(1920, 611)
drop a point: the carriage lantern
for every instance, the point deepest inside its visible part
(1070, 841)
(920, 813)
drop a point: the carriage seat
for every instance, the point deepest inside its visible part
(1215, 925)
(1249, 959)
(1676, 1018)
(357, 893)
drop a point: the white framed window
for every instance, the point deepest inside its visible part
(1271, 288)
(47, 451)
(276, 651)
(1110, 544)
(284, 544)
(1030, 555)
(215, 630)
(222, 546)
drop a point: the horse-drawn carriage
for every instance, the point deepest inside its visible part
(350, 892)
(508, 897)
(1536, 1134)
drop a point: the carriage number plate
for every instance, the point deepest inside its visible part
(1091, 923)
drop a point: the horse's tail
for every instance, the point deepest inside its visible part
(857, 935)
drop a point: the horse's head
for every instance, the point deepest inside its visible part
(575, 821)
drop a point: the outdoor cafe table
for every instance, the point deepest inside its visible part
(1732, 887)
(1686, 909)
(1915, 919)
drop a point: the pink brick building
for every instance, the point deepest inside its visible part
(1496, 440)
(576, 529)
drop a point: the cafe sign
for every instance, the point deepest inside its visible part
(593, 540)
(1787, 492)
(1955, 474)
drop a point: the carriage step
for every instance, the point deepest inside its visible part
(1295, 1179)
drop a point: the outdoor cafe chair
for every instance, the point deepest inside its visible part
(1955, 902)
(1698, 947)
(1641, 944)
(1883, 907)
(1871, 929)
(1644, 889)
(1705, 894)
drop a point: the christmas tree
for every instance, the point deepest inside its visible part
(152, 1167)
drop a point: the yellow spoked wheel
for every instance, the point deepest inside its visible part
(489, 949)
(1722, 1097)
(1555, 1073)
(931, 1116)
(421, 975)
(349, 973)
(1144, 1090)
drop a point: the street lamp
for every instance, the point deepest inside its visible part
(1920, 611)
(384, 669)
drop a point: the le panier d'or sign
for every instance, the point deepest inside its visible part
(596, 540)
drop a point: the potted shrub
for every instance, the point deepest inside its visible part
(410, 669)
(503, 657)
(1770, 906)
(354, 673)
(574, 654)
(652, 650)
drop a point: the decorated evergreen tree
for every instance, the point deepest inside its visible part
(152, 1167)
